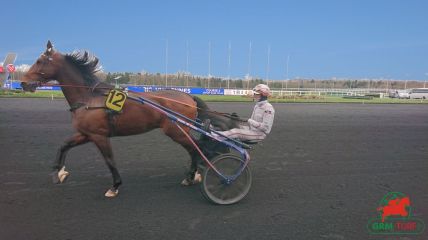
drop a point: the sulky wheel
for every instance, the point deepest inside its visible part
(215, 188)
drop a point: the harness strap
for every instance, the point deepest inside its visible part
(110, 120)
(93, 108)
(110, 115)
(95, 86)
(76, 106)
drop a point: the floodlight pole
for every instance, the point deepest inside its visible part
(166, 64)
(426, 74)
(249, 66)
(187, 63)
(209, 63)
(286, 73)
(228, 65)
(267, 68)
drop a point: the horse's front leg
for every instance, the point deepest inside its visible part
(103, 144)
(59, 175)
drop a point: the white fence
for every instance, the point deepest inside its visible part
(314, 91)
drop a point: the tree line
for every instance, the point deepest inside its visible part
(188, 80)
(183, 79)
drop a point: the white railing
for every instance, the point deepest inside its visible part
(313, 92)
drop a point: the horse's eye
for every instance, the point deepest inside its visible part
(38, 61)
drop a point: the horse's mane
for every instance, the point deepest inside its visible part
(86, 63)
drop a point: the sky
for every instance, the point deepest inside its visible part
(375, 39)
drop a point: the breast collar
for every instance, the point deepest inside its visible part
(78, 105)
(75, 106)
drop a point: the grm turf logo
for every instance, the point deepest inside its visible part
(395, 217)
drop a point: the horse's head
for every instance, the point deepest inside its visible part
(43, 70)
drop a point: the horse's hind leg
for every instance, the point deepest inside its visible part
(103, 144)
(60, 174)
(172, 131)
(191, 176)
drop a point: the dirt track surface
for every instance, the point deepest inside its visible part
(319, 175)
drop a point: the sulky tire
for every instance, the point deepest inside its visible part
(216, 190)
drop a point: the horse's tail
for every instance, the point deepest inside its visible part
(220, 121)
(202, 108)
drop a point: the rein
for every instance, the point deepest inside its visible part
(228, 115)
(75, 86)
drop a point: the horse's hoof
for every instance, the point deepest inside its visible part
(111, 193)
(59, 176)
(196, 179)
(62, 175)
(186, 182)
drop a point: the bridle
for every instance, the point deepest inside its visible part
(44, 63)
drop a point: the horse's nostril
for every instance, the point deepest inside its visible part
(30, 86)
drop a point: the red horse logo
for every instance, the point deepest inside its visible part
(396, 207)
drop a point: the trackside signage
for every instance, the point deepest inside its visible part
(203, 91)
(189, 90)
(395, 217)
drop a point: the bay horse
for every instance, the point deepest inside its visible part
(86, 96)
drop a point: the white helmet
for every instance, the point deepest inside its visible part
(262, 89)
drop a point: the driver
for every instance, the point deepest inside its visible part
(260, 123)
(255, 129)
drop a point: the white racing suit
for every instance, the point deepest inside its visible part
(257, 127)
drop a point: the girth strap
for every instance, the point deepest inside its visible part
(110, 119)
(110, 115)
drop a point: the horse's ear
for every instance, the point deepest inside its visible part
(49, 48)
